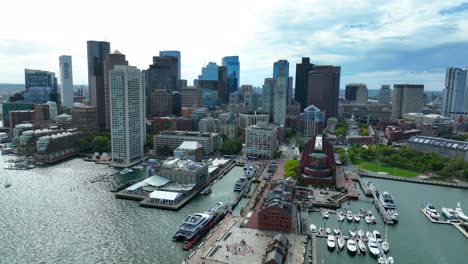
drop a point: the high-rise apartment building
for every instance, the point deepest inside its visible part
(175, 54)
(97, 51)
(233, 72)
(356, 92)
(41, 86)
(112, 59)
(385, 94)
(127, 115)
(455, 95)
(301, 92)
(323, 87)
(261, 140)
(407, 98)
(66, 80)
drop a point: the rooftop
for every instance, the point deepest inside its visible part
(186, 165)
(193, 145)
(440, 142)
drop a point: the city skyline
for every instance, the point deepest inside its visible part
(388, 44)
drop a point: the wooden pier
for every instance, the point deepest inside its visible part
(456, 225)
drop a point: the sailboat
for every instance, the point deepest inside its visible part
(7, 184)
(385, 244)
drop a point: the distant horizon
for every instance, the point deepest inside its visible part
(374, 42)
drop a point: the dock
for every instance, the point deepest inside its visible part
(380, 209)
(364, 186)
(458, 226)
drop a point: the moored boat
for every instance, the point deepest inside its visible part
(327, 230)
(207, 190)
(341, 242)
(373, 246)
(449, 214)
(331, 242)
(387, 200)
(385, 246)
(349, 216)
(313, 228)
(362, 246)
(351, 245)
(360, 233)
(373, 219)
(377, 235)
(336, 231)
(241, 184)
(356, 218)
(352, 233)
(340, 216)
(325, 214)
(393, 214)
(459, 213)
(368, 219)
(390, 260)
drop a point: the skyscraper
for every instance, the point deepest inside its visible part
(66, 80)
(213, 82)
(356, 92)
(323, 87)
(175, 54)
(455, 96)
(407, 98)
(127, 115)
(385, 94)
(111, 60)
(41, 86)
(162, 75)
(281, 69)
(274, 99)
(233, 72)
(302, 69)
(97, 51)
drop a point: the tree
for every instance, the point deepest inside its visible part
(84, 144)
(340, 131)
(164, 150)
(364, 132)
(231, 147)
(101, 144)
(290, 168)
(149, 142)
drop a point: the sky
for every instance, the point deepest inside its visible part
(375, 42)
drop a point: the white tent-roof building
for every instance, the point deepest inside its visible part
(164, 197)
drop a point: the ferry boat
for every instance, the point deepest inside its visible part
(387, 200)
(193, 224)
(241, 184)
(249, 170)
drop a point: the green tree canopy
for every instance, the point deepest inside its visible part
(101, 144)
(164, 150)
(290, 168)
(231, 147)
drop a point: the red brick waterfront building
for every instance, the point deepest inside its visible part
(318, 162)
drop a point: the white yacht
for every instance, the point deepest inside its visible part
(459, 213)
(356, 218)
(373, 219)
(373, 246)
(362, 246)
(331, 242)
(341, 242)
(432, 211)
(325, 214)
(393, 214)
(385, 246)
(337, 231)
(377, 235)
(349, 216)
(327, 230)
(192, 225)
(449, 214)
(387, 200)
(352, 246)
(241, 184)
(368, 219)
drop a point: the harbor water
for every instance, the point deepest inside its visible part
(414, 239)
(55, 215)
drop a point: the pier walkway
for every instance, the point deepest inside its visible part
(458, 226)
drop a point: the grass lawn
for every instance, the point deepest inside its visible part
(375, 167)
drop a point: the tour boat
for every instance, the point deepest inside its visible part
(352, 233)
(336, 231)
(249, 170)
(356, 218)
(449, 213)
(312, 228)
(349, 216)
(192, 225)
(377, 235)
(459, 213)
(325, 214)
(351, 245)
(241, 184)
(331, 242)
(341, 242)
(362, 246)
(387, 200)
(373, 246)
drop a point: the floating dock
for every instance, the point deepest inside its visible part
(458, 226)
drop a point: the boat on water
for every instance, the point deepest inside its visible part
(241, 184)
(325, 214)
(393, 214)
(449, 214)
(312, 228)
(349, 216)
(327, 230)
(362, 246)
(387, 200)
(373, 219)
(207, 190)
(336, 231)
(249, 170)
(385, 245)
(373, 246)
(351, 245)
(192, 225)
(340, 216)
(459, 213)
(360, 233)
(381, 260)
(377, 235)
(7, 184)
(356, 218)
(432, 211)
(331, 242)
(352, 233)
(368, 219)
(320, 231)
(139, 167)
(341, 242)
(390, 260)
(125, 171)
(369, 235)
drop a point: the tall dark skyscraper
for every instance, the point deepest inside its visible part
(112, 59)
(323, 88)
(97, 51)
(162, 75)
(233, 72)
(302, 70)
